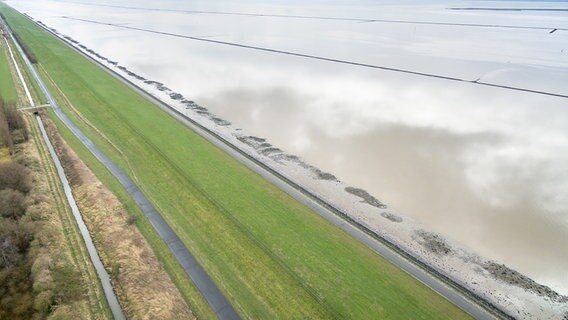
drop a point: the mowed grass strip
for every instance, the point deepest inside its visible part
(7, 87)
(35, 91)
(193, 297)
(273, 257)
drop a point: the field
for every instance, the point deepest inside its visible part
(271, 256)
(7, 88)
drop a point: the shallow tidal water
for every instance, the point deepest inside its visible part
(485, 166)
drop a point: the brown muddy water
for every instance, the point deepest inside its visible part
(485, 166)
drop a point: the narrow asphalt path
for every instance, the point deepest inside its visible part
(218, 302)
(443, 286)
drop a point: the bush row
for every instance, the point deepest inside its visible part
(37, 279)
(13, 129)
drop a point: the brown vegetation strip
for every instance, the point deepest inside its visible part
(44, 271)
(141, 283)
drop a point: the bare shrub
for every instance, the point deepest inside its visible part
(13, 127)
(12, 204)
(16, 122)
(5, 137)
(131, 220)
(14, 176)
(9, 253)
(16, 299)
(15, 238)
(43, 301)
(28, 162)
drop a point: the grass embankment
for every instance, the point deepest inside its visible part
(17, 86)
(273, 257)
(142, 285)
(33, 87)
(7, 87)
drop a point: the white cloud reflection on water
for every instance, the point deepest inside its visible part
(485, 166)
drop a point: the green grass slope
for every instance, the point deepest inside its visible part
(272, 256)
(7, 88)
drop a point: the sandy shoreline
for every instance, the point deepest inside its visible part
(514, 294)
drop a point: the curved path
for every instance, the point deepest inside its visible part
(218, 302)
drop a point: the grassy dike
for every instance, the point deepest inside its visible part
(272, 256)
(7, 87)
(190, 293)
(35, 91)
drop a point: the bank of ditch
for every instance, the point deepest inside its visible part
(44, 269)
(140, 281)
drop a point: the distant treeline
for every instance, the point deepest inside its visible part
(31, 56)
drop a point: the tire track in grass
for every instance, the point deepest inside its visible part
(87, 122)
